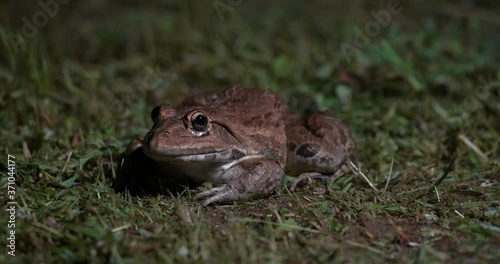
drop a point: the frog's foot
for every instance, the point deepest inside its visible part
(251, 179)
(316, 175)
(322, 145)
(306, 176)
(220, 195)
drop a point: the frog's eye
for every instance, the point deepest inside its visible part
(155, 113)
(199, 121)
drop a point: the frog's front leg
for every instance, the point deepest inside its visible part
(251, 179)
(321, 148)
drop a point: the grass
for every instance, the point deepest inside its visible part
(421, 98)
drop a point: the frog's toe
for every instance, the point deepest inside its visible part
(306, 176)
(221, 194)
(208, 193)
(315, 175)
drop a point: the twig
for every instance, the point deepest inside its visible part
(358, 171)
(459, 214)
(472, 146)
(437, 194)
(390, 174)
(66, 163)
(446, 172)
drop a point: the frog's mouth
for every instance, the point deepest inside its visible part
(191, 155)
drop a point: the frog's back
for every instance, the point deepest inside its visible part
(243, 98)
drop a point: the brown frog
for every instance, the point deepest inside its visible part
(242, 140)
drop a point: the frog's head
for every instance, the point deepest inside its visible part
(192, 133)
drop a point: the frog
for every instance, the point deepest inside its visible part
(241, 140)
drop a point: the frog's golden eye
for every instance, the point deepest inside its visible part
(199, 121)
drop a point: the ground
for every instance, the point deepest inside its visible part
(417, 82)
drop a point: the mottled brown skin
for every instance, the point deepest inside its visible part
(241, 139)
